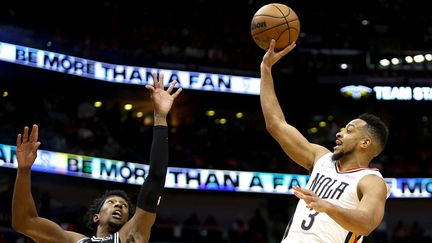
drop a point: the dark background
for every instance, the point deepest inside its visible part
(214, 36)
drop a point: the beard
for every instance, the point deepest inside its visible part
(341, 154)
(338, 156)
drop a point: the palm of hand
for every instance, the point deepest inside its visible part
(162, 101)
(25, 155)
(27, 146)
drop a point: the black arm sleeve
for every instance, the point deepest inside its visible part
(151, 190)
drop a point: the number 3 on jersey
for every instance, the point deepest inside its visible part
(307, 223)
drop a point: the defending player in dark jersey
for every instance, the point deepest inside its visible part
(113, 219)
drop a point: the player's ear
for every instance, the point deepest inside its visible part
(95, 218)
(365, 142)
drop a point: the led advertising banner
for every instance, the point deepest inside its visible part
(125, 74)
(388, 92)
(403, 93)
(187, 178)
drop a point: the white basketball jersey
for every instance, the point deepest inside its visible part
(336, 186)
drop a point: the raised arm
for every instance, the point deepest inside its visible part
(295, 145)
(139, 227)
(25, 218)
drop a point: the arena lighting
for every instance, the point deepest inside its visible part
(115, 73)
(408, 59)
(419, 58)
(239, 115)
(187, 178)
(98, 104)
(365, 22)
(384, 62)
(312, 130)
(395, 61)
(210, 113)
(343, 66)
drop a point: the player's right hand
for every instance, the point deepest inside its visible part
(271, 57)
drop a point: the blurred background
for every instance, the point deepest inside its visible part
(378, 43)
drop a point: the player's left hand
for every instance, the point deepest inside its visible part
(312, 200)
(26, 147)
(162, 99)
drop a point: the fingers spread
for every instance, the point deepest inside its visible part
(35, 147)
(149, 87)
(19, 140)
(171, 87)
(34, 134)
(161, 80)
(155, 80)
(177, 93)
(25, 134)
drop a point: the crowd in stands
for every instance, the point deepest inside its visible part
(200, 34)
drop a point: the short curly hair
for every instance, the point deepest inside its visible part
(96, 206)
(377, 127)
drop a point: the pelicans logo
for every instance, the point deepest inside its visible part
(356, 91)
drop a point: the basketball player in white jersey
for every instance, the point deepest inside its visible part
(113, 220)
(344, 199)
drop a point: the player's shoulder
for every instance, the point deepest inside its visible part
(324, 157)
(321, 153)
(374, 182)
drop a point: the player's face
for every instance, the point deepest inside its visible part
(348, 139)
(114, 212)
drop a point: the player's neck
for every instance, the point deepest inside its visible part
(103, 232)
(351, 163)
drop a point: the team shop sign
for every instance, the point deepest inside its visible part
(187, 178)
(125, 74)
(403, 93)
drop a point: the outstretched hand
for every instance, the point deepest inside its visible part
(271, 56)
(162, 99)
(26, 147)
(311, 199)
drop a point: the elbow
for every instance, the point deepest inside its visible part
(16, 225)
(271, 127)
(274, 123)
(366, 230)
(20, 224)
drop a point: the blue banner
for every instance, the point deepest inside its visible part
(126, 74)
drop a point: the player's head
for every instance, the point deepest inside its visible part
(113, 209)
(368, 134)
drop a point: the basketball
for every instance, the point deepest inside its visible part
(275, 21)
